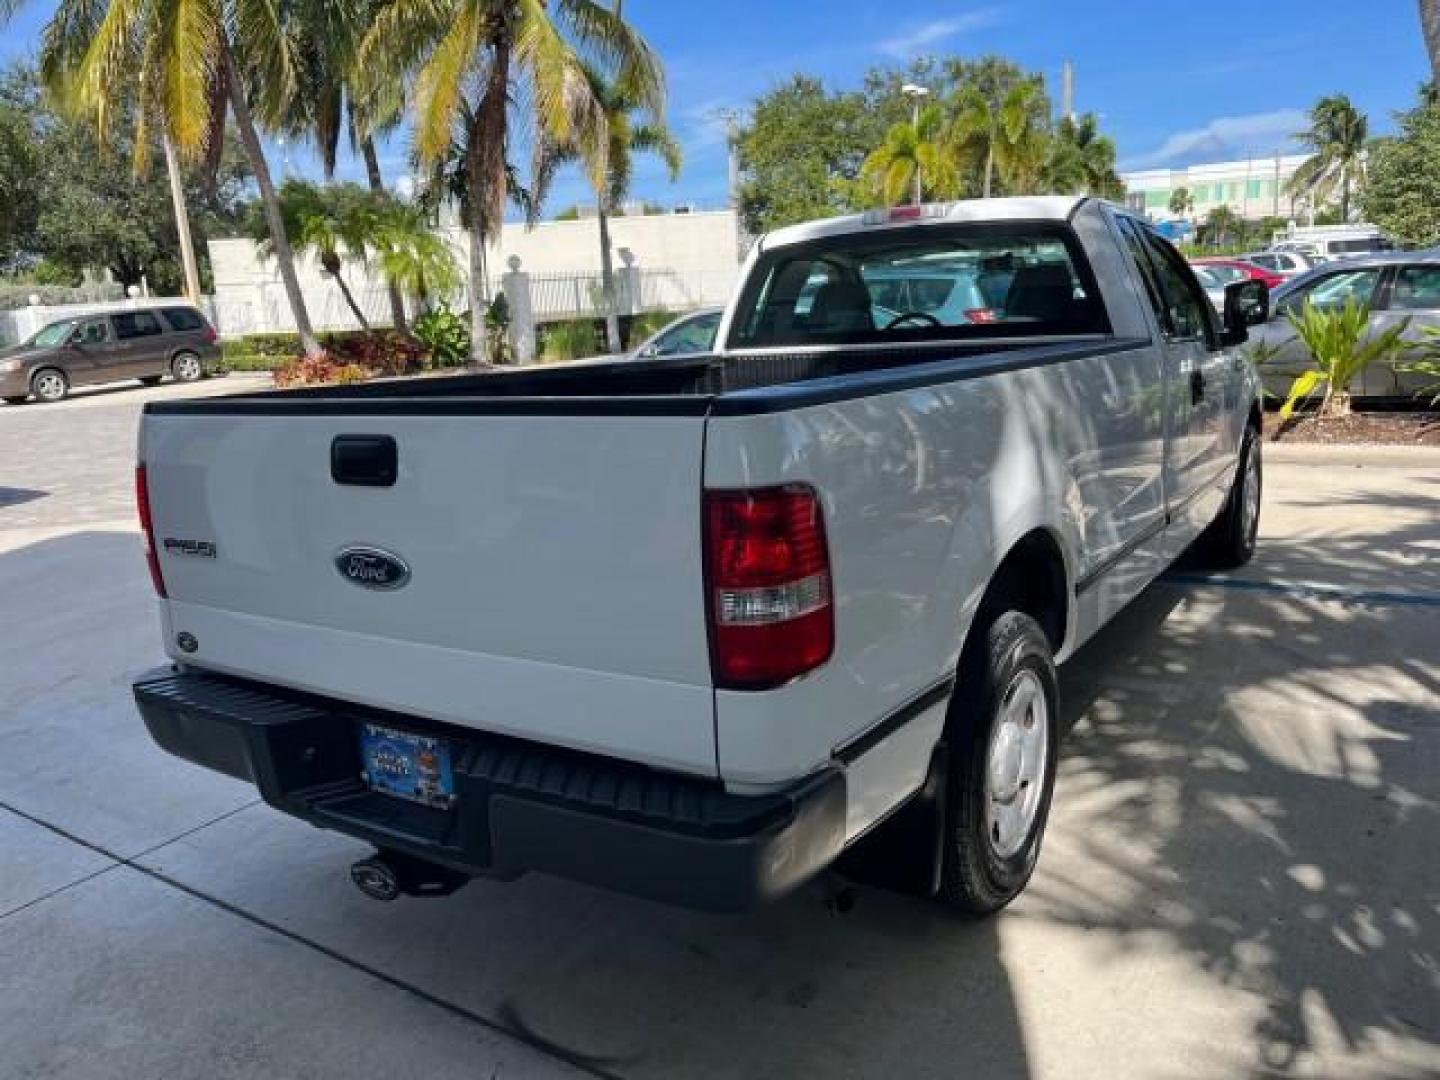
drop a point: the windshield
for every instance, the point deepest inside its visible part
(50, 335)
(917, 284)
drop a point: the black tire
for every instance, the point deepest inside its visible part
(150, 380)
(187, 367)
(49, 384)
(19, 399)
(1229, 541)
(984, 869)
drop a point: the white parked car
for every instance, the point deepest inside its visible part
(700, 629)
(1286, 263)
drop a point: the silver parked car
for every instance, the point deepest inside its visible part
(137, 343)
(1286, 263)
(1396, 286)
(686, 336)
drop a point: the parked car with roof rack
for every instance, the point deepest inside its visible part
(146, 343)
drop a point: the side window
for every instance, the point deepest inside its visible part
(1131, 234)
(1417, 288)
(1187, 308)
(94, 332)
(182, 319)
(697, 335)
(1334, 290)
(135, 324)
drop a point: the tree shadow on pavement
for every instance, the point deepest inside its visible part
(1263, 780)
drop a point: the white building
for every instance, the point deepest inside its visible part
(1254, 188)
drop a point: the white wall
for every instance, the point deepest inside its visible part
(683, 261)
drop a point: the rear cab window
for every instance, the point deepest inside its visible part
(915, 284)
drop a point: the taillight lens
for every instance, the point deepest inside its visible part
(771, 612)
(981, 315)
(142, 504)
(209, 335)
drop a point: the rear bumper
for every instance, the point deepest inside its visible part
(519, 806)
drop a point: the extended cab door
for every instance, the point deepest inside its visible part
(1197, 384)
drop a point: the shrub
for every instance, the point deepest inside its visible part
(1335, 339)
(319, 370)
(445, 334)
(572, 340)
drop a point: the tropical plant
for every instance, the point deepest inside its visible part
(631, 128)
(1221, 224)
(445, 334)
(183, 66)
(334, 224)
(571, 340)
(412, 258)
(1182, 202)
(1337, 135)
(917, 148)
(1335, 338)
(1006, 136)
(475, 64)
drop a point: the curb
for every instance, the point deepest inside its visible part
(1352, 455)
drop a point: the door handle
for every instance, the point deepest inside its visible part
(364, 460)
(1197, 386)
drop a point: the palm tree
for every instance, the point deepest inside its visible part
(184, 66)
(414, 260)
(1081, 161)
(335, 224)
(324, 107)
(1337, 134)
(1182, 202)
(1430, 24)
(630, 130)
(910, 148)
(475, 64)
(1000, 135)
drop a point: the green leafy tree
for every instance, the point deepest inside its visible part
(473, 66)
(631, 128)
(1337, 136)
(1402, 194)
(1222, 226)
(920, 148)
(802, 151)
(1182, 202)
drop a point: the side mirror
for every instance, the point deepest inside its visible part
(1247, 304)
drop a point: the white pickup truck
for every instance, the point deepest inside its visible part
(699, 630)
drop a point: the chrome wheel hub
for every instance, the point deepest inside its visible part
(187, 367)
(1015, 764)
(49, 386)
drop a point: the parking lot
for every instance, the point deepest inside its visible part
(1242, 873)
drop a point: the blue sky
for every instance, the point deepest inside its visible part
(1174, 83)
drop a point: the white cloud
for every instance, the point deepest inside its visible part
(1225, 138)
(924, 35)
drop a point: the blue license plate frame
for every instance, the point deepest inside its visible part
(407, 765)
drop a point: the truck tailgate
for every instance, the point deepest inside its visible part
(555, 580)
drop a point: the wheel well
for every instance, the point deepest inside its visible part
(1031, 578)
(49, 367)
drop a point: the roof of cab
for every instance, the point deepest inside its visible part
(1021, 208)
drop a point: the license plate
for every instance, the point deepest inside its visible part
(407, 766)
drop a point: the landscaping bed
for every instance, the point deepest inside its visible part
(1359, 428)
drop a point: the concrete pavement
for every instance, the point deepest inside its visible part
(1242, 875)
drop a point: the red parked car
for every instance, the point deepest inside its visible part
(1233, 270)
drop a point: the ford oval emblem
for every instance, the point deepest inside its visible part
(371, 568)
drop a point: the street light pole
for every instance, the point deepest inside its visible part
(916, 94)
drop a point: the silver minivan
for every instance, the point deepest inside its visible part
(137, 343)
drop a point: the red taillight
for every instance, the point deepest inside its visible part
(906, 213)
(768, 583)
(142, 504)
(980, 315)
(209, 335)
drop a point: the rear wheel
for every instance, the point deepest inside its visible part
(1003, 734)
(1230, 540)
(49, 384)
(186, 367)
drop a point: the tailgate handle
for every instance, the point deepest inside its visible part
(364, 460)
